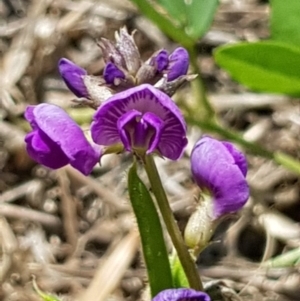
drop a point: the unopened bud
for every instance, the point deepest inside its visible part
(128, 49)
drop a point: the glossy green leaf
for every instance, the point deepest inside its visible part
(262, 66)
(285, 21)
(153, 244)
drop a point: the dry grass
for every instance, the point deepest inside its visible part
(76, 234)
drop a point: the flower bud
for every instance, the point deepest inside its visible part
(111, 73)
(73, 77)
(178, 63)
(128, 49)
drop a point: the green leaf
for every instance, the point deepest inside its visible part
(288, 259)
(178, 274)
(194, 16)
(153, 244)
(285, 21)
(164, 23)
(262, 66)
(199, 14)
(185, 21)
(175, 8)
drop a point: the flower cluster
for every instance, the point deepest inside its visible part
(133, 111)
(124, 69)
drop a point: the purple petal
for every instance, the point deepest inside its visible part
(73, 77)
(238, 157)
(178, 64)
(144, 98)
(57, 140)
(44, 151)
(161, 60)
(125, 121)
(112, 72)
(215, 168)
(181, 294)
(157, 125)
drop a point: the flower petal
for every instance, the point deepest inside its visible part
(157, 124)
(144, 98)
(73, 77)
(123, 121)
(112, 72)
(44, 151)
(214, 167)
(160, 60)
(178, 63)
(56, 137)
(181, 294)
(238, 157)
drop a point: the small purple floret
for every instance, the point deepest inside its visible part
(56, 140)
(221, 168)
(73, 77)
(161, 60)
(112, 72)
(181, 294)
(178, 64)
(142, 118)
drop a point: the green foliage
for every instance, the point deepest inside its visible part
(178, 274)
(183, 21)
(263, 66)
(194, 16)
(285, 21)
(154, 249)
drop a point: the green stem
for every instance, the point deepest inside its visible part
(187, 262)
(203, 106)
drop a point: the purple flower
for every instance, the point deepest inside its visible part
(160, 60)
(73, 76)
(111, 72)
(56, 140)
(144, 120)
(178, 64)
(221, 168)
(181, 294)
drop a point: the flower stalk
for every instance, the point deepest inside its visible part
(173, 230)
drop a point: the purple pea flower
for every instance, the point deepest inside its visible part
(220, 168)
(144, 120)
(178, 64)
(181, 294)
(73, 77)
(56, 140)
